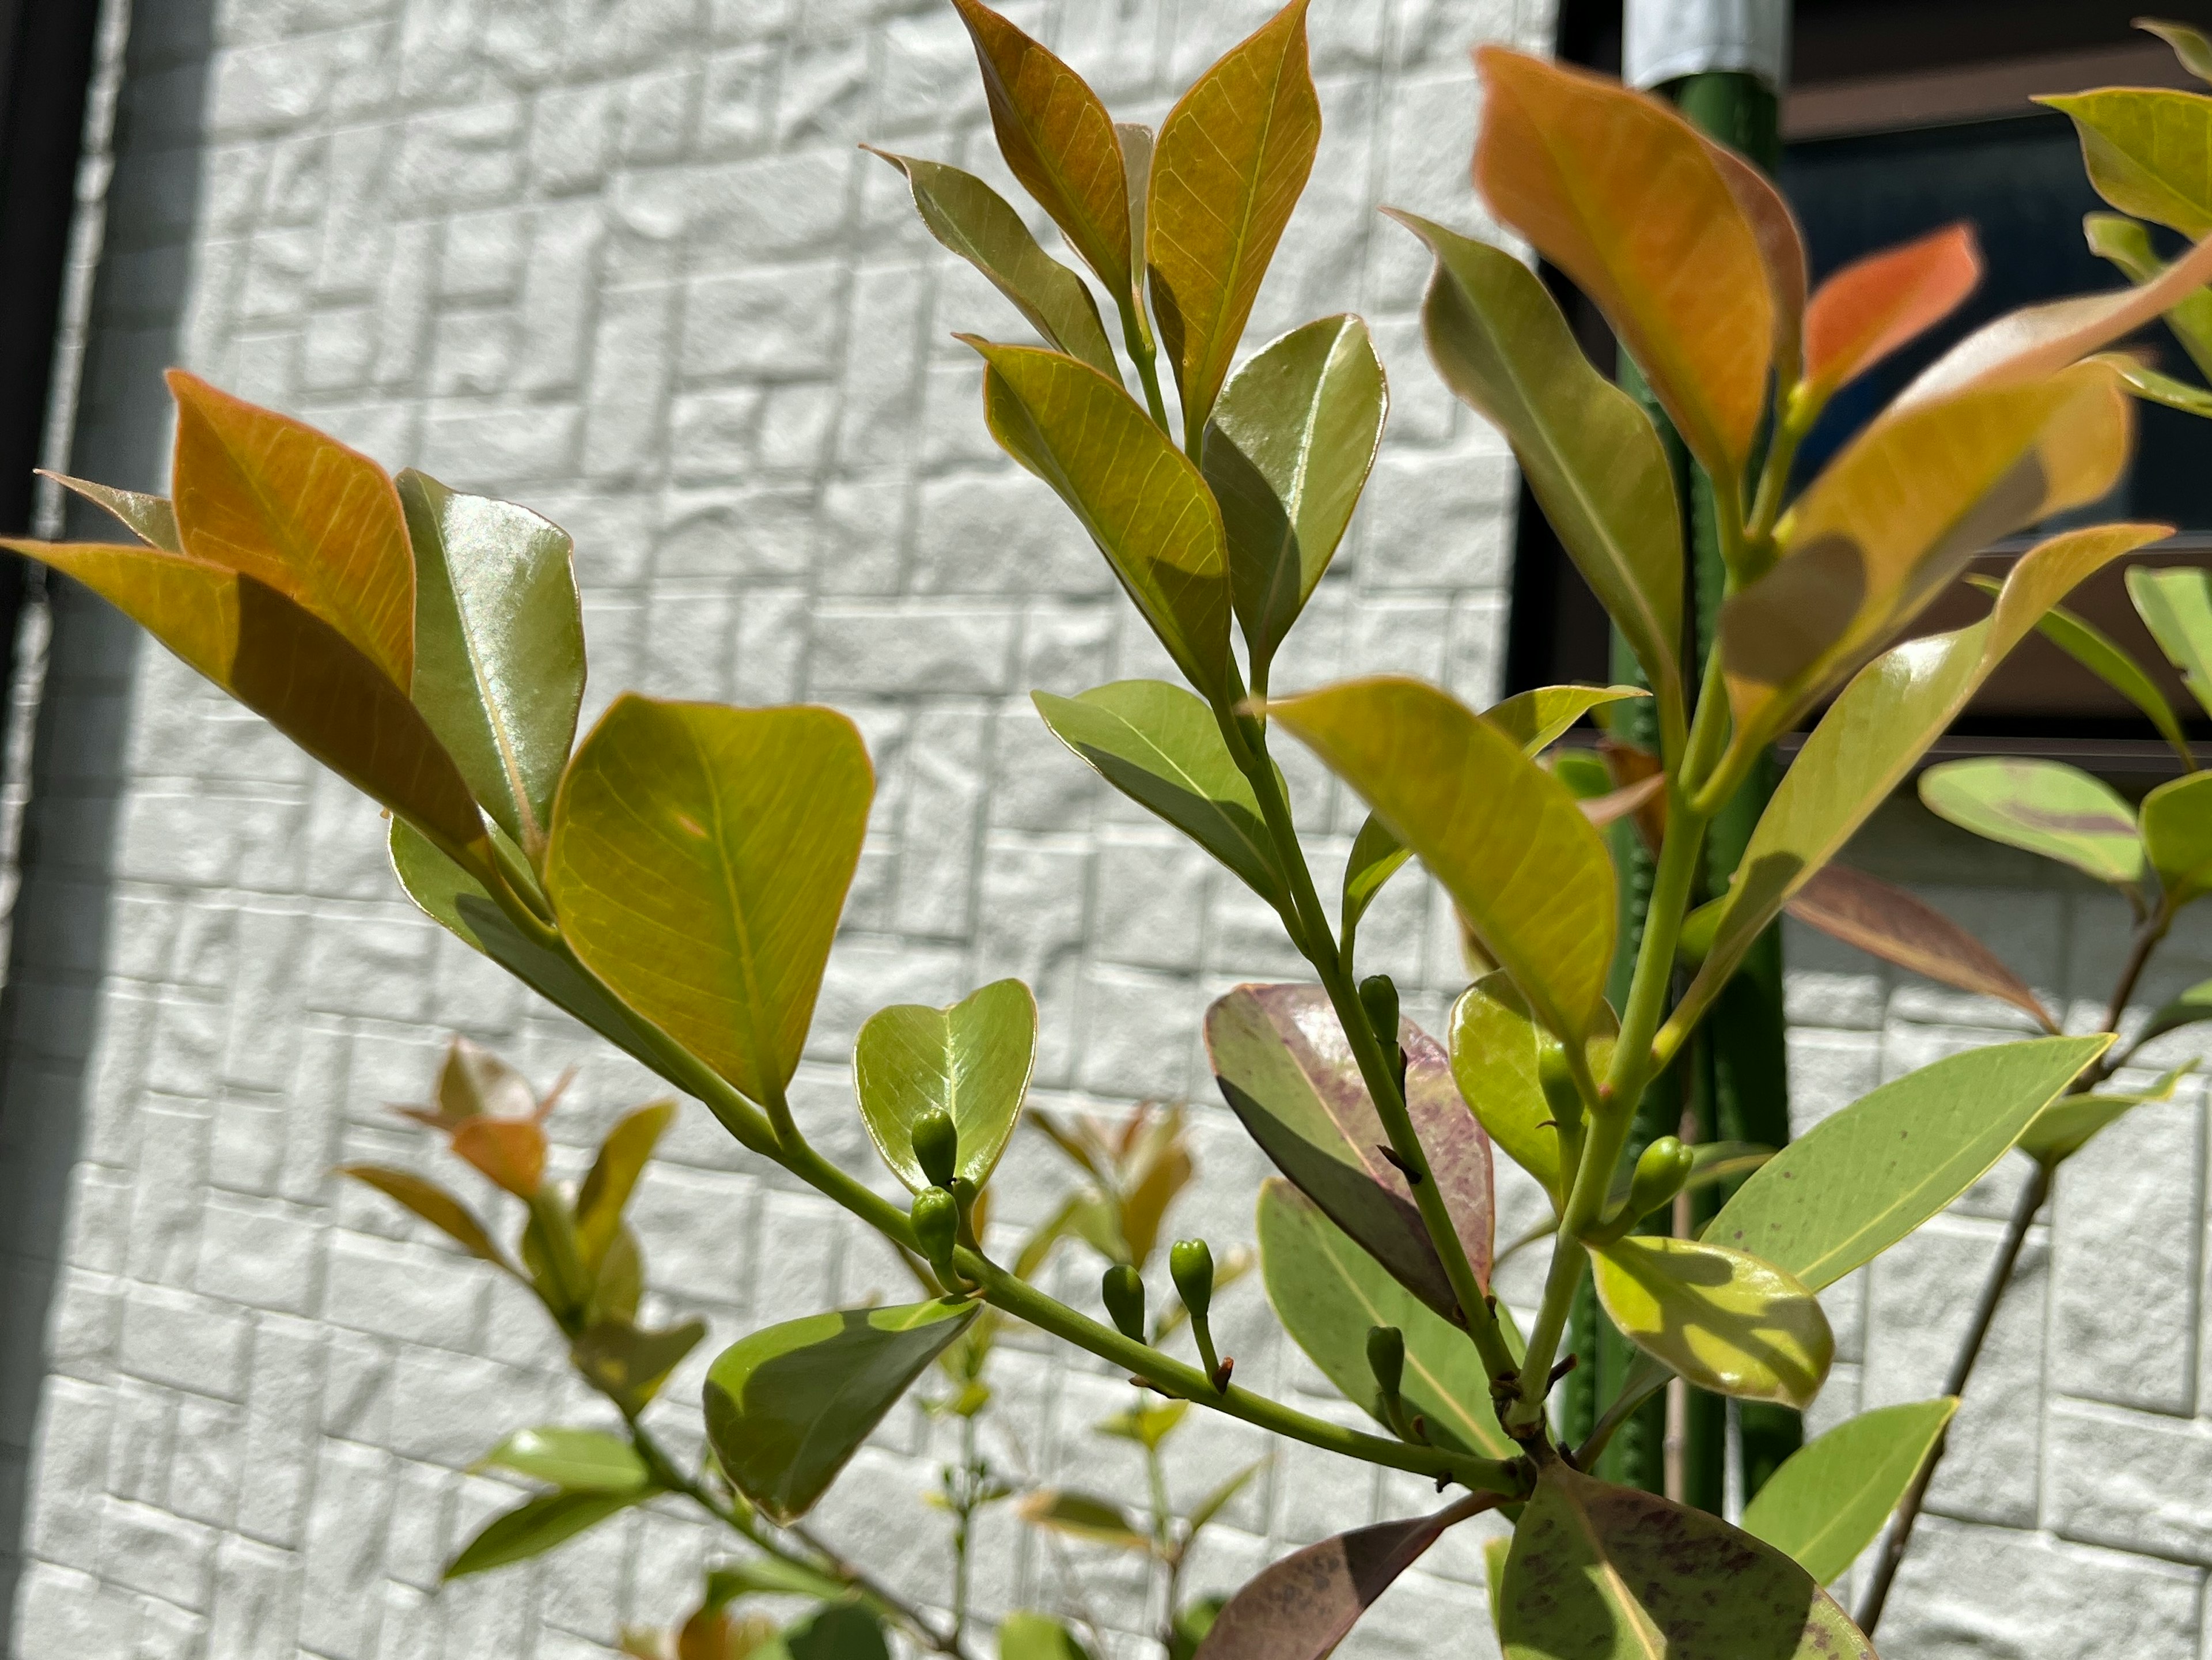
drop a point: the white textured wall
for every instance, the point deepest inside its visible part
(619, 259)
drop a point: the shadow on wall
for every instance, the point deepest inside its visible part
(56, 1000)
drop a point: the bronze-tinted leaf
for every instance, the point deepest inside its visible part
(1781, 250)
(509, 1150)
(1875, 305)
(435, 1206)
(150, 517)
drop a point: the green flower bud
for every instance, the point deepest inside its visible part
(1561, 1093)
(1660, 1173)
(1386, 1357)
(1123, 1289)
(1191, 1265)
(937, 1147)
(936, 1217)
(1378, 995)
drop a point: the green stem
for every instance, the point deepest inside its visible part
(1139, 345)
(963, 1527)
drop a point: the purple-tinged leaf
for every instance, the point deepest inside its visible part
(1286, 1069)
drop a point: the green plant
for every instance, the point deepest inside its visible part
(675, 879)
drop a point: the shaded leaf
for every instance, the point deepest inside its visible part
(1538, 718)
(435, 1206)
(1589, 453)
(1601, 1572)
(1301, 1607)
(1614, 804)
(578, 1461)
(1329, 1293)
(977, 223)
(1875, 305)
(1083, 1515)
(1024, 1636)
(1220, 1497)
(970, 1061)
(2187, 1010)
(631, 1363)
(2177, 836)
(1161, 747)
(1862, 1178)
(1229, 163)
(2101, 654)
(1722, 1318)
(2045, 807)
(1286, 1069)
(1287, 452)
(535, 1526)
(1136, 141)
(1143, 503)
(2175, 606)
(1831, 1497)
(1191, 1622)
(699, 861)
(150, 517)
(1899, 927)
(2149, 150)
(499, 648)
(1376, 856)
(613, 1176)
(1496, 1048)
(1506, 839)
(787, 1406)
(770, 1576)
(843, 1631)
(1058, 139)
(2069, 1123)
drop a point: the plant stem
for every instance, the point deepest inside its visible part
(2146, 941)
(1139, 345)
(962, 1526)
(2032, 1198)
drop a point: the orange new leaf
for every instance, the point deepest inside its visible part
(1873, 305)
(510, 1150)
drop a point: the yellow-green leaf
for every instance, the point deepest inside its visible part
(1228, 166)
(699, 860)
(1722, 1318)
(535, 1526)
(1538, 718)
(2126, 243)
(1145, 506)
(970, 1062)
(2149, 150)
(1624, 195)
(2177, 836)
(2045, 807)
(1083, 1515)
(2069, 1123)
(435, 1206)
(1506, 839)
(1496, 1049)
(1376, 856)
(613, 1176)
(2189, 44)
(2104, 657)
(579, 1460)
(150, 517)
(1589, 453)
(631, 1363)
(1832, 1497)
(2175, 606)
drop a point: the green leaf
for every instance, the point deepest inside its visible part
(1329, 1293)
(2068, 1124)
(631, 1363)
(579, 1460)
(2189, 45)
(1148, 1423)
(1219, 1499)
(1286, 453)
(1590, 455)
(2154, 387)
(1376, 856)
(1228, 166)
(1722, 1319)
(843, 1631)
(970, 1061)
(613, 1176)
(2127, 244)
(700, 858)
(1830, 1497)
(1083, 1515)
(2104, 657)
(1601, 1572)
(787, 1406)
(2044, 807)
(2177, 836)
(1862, 1178)
(150, 517)
(770, 1576)
(1026, 1636)
(1508, 843)
(1496, 1047)
(439, 1209)
(1143, 503)
(535, 1526)
(1162, 748)
(2175, 606)
(1538, 718)
(499, 648)
(2187, 1010)
(977, 223)
(1194, 1622)
(2148, 151)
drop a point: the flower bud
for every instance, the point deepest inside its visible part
(937, 1147)
(1378, 995)
(1191, 1265)
(1386, 1357)
(1123, 1291)
(1660, 1173)
(936, 1217)
(1561, 1093)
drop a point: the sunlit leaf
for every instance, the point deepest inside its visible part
(499, 648)
(471, 1082)
(1588, 452)
(581, 1460)
(1624, 195)
(150, 517)
(1887, 921)
(613, 1176)
(1058, 139)
(1376, 856)
(1143, 503)
(2177, 836)
(1874, 305)
(1601, 1572)
(1083, 1515)
(1496, 1048)
(1722, 1318)
(1161, 746)
(1505, 837)
(977, 223)
(2069, 1123)
(2126, 242)
(2045, 807)
(970, 1062)
(1136, 141)
(435, 1206)
(536, 1526)
(1862, 1178)
(1538, 718)
(1892, 521)
(1148, 1423)
(2104, 657)
(1228, 166)
(1329, 1293)
(1831, 1497)
(1287, 452)
(770, 1576)
(2149, 150)
(2191, 1006)
(699, 861)
(1026, 1636)
(2175, 606)
(789, 1405)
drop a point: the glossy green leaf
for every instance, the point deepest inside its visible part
(1287, 452)
(535, 1526)
(1376, 856)
(843, 1631)
(2151, 387)
(150, 517)
(1024, 1636)
(499, 648)
(2187, 1010)
(1161, 747)
(1601, 1572)
(2149, 150)
(789, 1405)
(579, 1460)
(2175, 606)
(1506, 839)
(1083, 1516)
(970, 1061)
(1329, 1293)
(1143, 503)
(1058, 139)
(2177, 836)
(631, 1363)
(1862, 1178)
(1832, 1497)
(977, 223)
(435, 1206)
(770, 1576)
(1721, 1318)
(1229, 164)
(613, 1176)
(2069, 1123)
(1589, 453)
(699, 861)
(2189, 44)
(1871, 735)
(2044, 807)
(2126, 243)
(2104, 657)
(1540, 717)
(1495, 1048)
